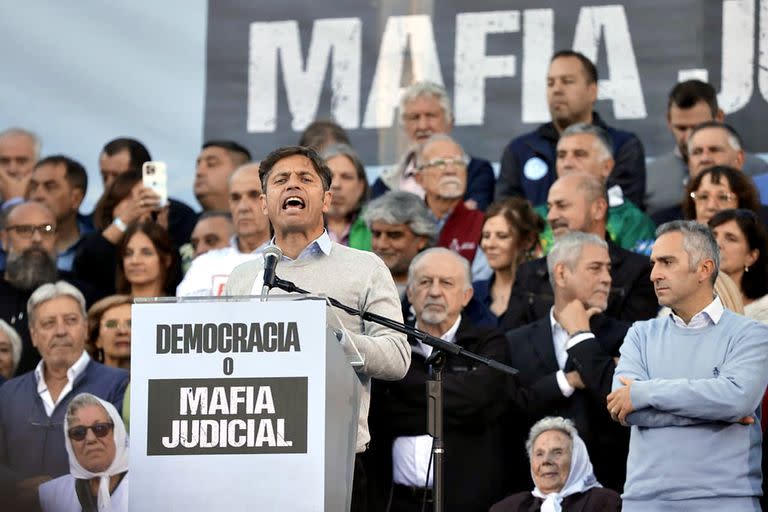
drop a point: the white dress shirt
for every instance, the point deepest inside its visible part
(562, 342)
(209, 272)
(73, 373)
(411, 454)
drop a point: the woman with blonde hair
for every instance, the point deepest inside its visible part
(109, 331)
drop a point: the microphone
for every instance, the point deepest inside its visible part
(272, 255)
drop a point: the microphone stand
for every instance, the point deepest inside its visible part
(434, 386)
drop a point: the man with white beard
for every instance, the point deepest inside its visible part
(442, 172)
(439, 288)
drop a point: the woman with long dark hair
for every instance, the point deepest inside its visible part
(743, 244)
(349, 194)
(147, 264)
(510, 236)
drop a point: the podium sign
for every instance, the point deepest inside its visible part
(237, 405)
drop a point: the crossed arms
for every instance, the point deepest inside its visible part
(731, 396)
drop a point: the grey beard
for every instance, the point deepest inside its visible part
(30, 269)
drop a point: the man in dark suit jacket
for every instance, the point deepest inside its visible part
(577, 203)
(439, 288)
(567, 357)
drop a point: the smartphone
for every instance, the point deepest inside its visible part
(155, 176)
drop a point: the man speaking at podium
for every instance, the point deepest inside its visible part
(296, 192)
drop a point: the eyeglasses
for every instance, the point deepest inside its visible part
(414, 117)
(722, 197)
(113, 323)
(99, 430)
(28, 230)
(443, 163)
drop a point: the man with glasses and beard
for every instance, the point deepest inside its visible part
(442, 172)
(29, 238)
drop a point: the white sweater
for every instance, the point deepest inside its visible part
(358, 279)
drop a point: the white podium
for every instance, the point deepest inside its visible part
(240, 405)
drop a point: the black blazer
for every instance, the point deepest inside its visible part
(631, 298)
(532, 352)
(473, 406)
(594, 500)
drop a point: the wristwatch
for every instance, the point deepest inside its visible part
(119, 224)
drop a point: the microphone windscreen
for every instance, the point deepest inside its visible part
(273, 250)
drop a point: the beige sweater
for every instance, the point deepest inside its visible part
(358, 279)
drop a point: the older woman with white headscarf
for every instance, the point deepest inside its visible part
(562, 474)
(97, 445)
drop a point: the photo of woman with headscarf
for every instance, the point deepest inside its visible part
(97, 445)
(562, 474)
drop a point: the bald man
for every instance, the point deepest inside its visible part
(577, 202)
(209, 271)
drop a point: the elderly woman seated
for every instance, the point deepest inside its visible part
(98, 461)
(562, 474)
(10, 351)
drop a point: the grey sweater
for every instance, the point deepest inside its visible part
(687, 450)
(358, 279)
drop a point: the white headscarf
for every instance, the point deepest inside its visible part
(119, 463)
(581, 478)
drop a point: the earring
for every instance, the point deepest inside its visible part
(746, 268)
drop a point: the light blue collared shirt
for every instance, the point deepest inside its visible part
(710, 315)
(320, 245)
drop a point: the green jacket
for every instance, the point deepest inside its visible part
(628, 227)
(359, 234)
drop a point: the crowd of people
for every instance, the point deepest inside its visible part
(631, 298)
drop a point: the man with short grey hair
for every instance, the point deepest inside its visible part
(442, 173)
(208, 273)
(714, 143)
(567, 356)
(19, 152)
(401, 227)
(692, 380)
(32, 406)
(588, 148)
(709, 145)
(576, 202)
(690, 103)
(425, 110)
(439, 288)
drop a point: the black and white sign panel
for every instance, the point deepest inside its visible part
(223, 390)
(274, 67)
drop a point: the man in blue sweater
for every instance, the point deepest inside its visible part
(690, 386)
(33, 405)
